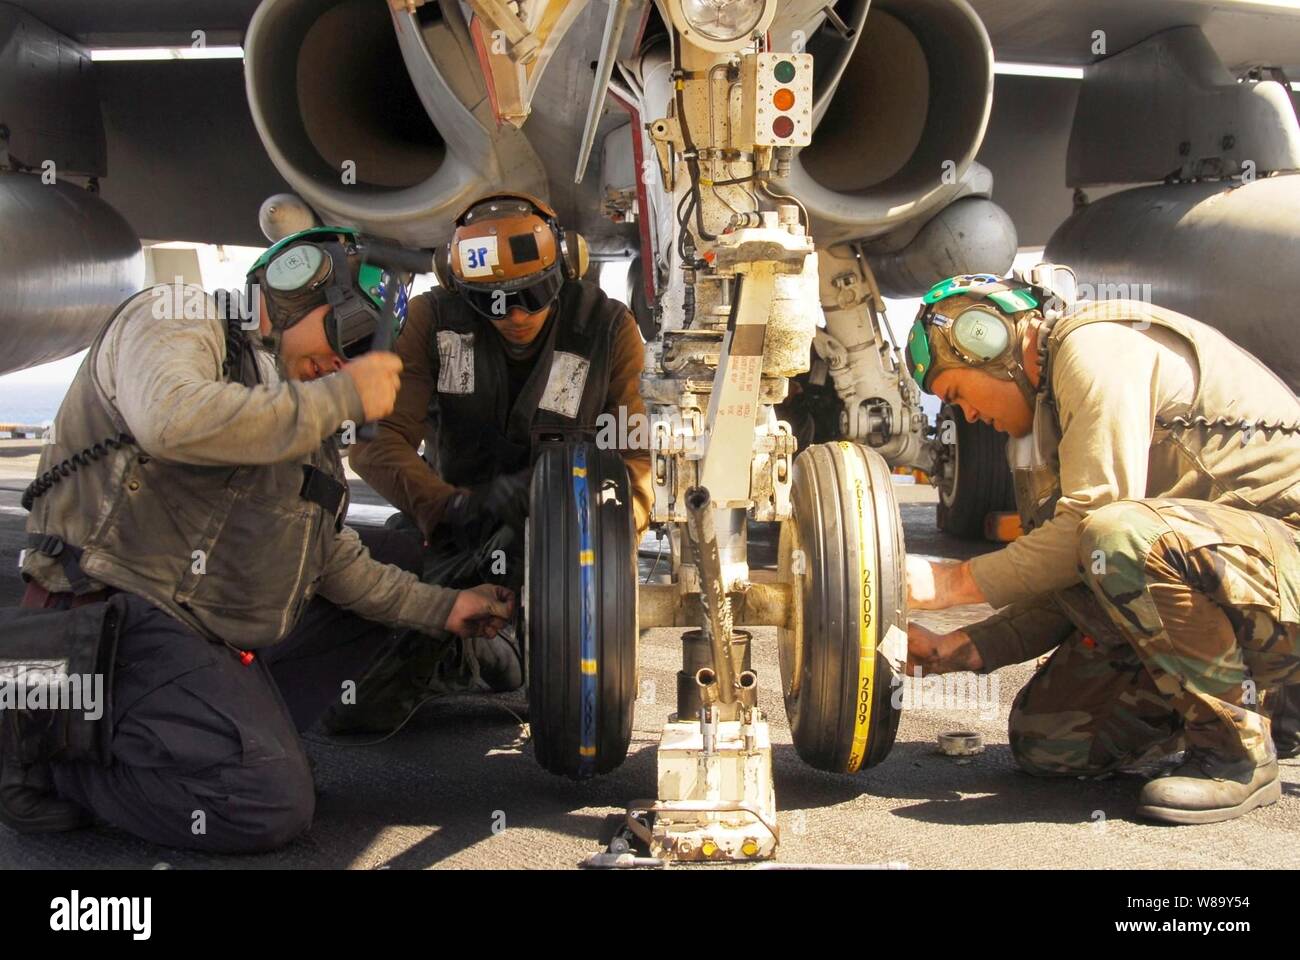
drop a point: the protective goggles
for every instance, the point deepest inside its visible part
(302, 276)
(977, 337)
(531, 294)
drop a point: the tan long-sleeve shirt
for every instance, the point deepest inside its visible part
(163, 375)
(1115, 384)
(1111, 382)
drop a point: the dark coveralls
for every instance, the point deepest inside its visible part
(206, 750)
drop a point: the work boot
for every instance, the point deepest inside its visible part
(1207, 789)
(28, 802)
(1282, 706)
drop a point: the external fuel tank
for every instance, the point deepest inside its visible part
(1222, 252)
(67, 259)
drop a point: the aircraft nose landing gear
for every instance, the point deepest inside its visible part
(838, 603)
(739, 313)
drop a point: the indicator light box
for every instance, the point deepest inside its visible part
(778, 99)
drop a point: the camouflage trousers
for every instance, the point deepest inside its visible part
(1188, 629)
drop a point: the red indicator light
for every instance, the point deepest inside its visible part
(783, 127)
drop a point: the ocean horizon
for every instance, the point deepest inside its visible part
(30, 403)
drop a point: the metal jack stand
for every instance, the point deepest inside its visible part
(716, 800)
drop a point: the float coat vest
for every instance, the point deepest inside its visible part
(476, 433)
(1228, 447)
(235, 552)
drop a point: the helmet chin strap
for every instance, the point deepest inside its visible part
(255, 301)
(1013, 366)
(279, 317)
(273, 341)
(1021, 379)
(1017, 367)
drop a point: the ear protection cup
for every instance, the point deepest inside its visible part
(983, 334)
(573, 253)
(442, 266)
(576, 257)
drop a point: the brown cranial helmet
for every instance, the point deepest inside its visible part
(509, 251)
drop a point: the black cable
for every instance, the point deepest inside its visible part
(46, 481)
(683, 234)
(692, 157)
(699, 209)
(525, 730)
(681, 226)
(757, 175)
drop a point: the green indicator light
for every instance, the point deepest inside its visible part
(783, 71)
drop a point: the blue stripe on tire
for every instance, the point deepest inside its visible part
(587, 665)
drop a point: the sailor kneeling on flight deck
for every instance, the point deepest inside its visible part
(186, 540)
(515, 348)
(1157, 468)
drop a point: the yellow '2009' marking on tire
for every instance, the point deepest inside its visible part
(867, 580)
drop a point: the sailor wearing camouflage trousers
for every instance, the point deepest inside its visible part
(1162, 562)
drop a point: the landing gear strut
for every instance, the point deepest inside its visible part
(739, 315)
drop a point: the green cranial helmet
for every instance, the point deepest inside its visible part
(325, 265)
(979, 332)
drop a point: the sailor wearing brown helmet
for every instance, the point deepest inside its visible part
(516, 346)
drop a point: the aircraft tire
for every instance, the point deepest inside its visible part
(842, 554)
(980, 479)
(581, 610)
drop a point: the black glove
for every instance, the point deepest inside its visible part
(476, 514)
(505, 499)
